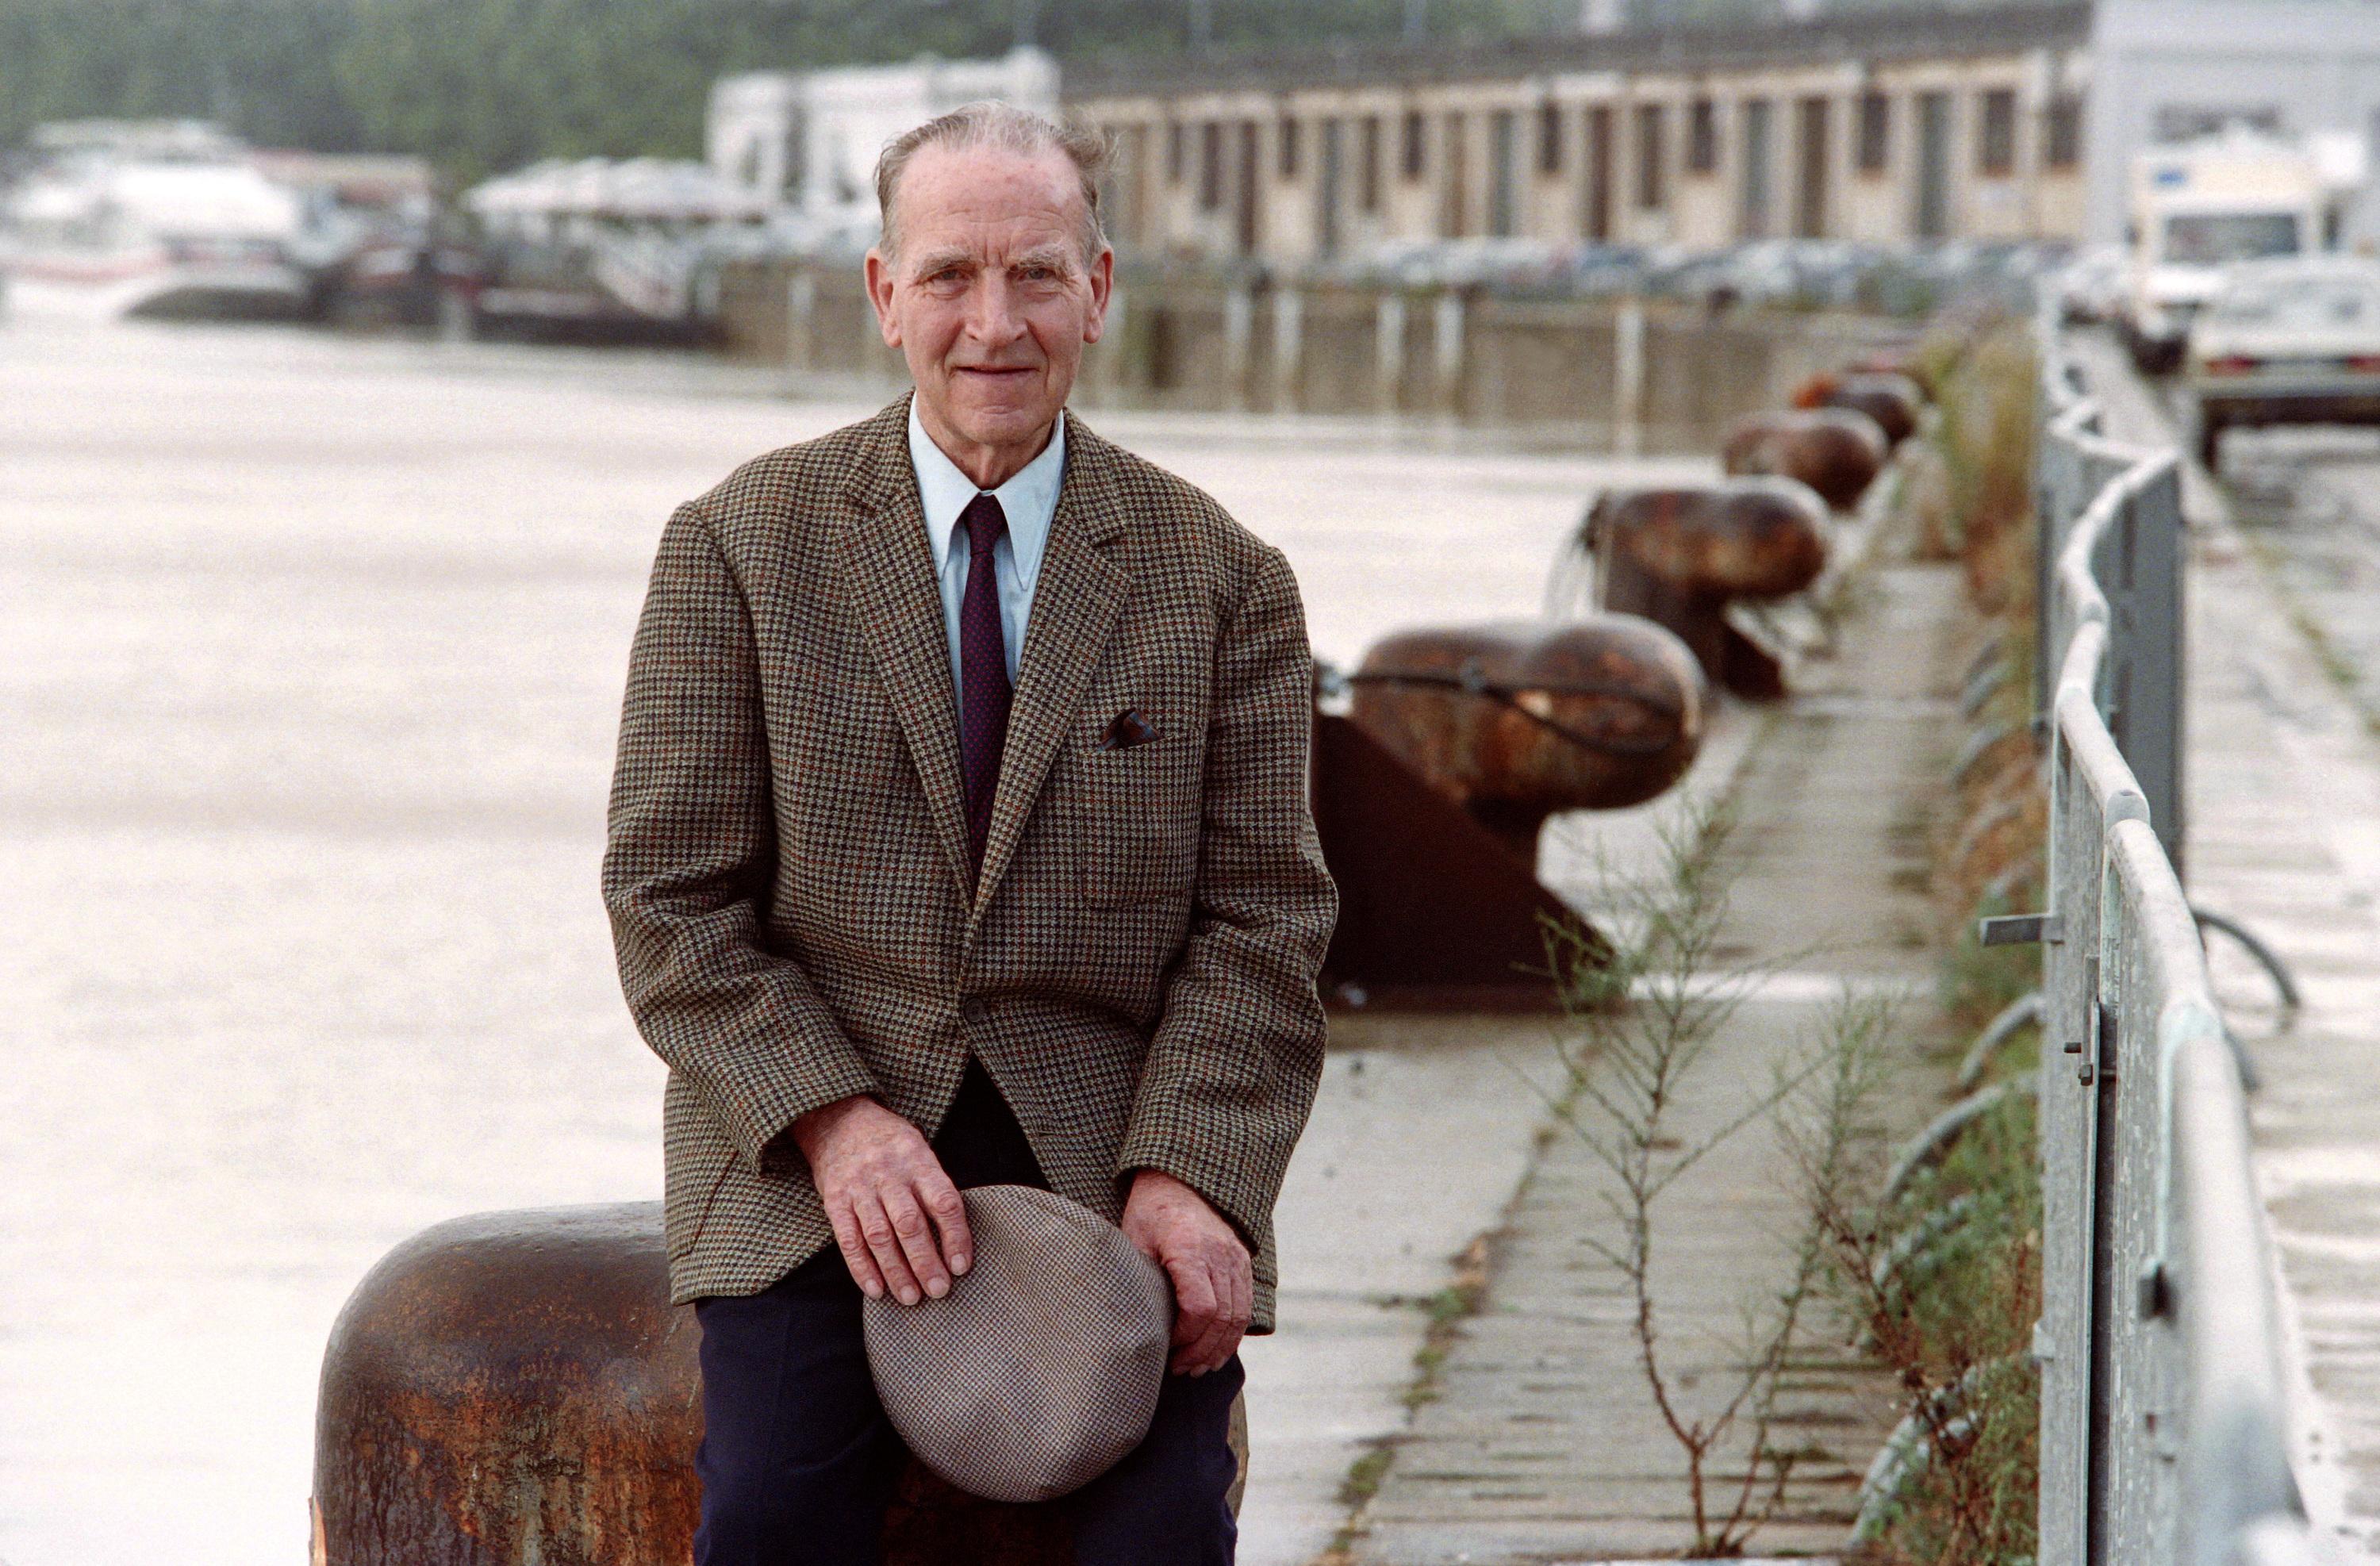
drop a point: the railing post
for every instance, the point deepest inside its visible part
(2052, 486)
(1448, 341)
(1288, 346)
(1628, 377)
(2062, 1339)
(1388, 341)
(801, 308)
(1239, 325)
(2153, 649)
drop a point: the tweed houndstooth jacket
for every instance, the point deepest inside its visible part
(787, 874)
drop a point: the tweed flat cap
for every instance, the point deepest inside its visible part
(1040, 1369)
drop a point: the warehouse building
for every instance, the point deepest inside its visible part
(1877, 127)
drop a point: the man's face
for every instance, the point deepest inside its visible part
(990, 298)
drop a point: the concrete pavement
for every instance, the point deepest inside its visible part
(1541, 1443)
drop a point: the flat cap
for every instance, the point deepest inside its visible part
(1040, 1369)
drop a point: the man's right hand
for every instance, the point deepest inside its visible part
(900, 1222)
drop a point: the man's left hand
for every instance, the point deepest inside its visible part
(1214, 1286)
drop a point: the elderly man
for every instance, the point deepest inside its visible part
(960, 836)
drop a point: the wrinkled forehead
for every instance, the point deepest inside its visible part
(992, 203)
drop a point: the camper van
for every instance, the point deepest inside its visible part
(2198, 207)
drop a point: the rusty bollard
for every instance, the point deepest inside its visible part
(1836, 451)
(1677, 556)
(1517, 721)
(515, 1388)
(1892, 399)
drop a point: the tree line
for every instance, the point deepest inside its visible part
(482, 85)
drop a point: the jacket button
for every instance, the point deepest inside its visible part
(971, 1010)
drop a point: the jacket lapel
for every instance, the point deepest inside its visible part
(889, 565)
(1076, 602)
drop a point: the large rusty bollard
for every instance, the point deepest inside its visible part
(1748, 538)
(1890, 398)
(1836, 451)
(1677, 556)
(1517, 721)
(511, 1387)
(515, 1388)
(1905, 362)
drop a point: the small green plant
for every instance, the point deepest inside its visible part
(1645, 1001)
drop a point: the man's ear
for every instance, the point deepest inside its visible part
(1095, 326)
(880, 294)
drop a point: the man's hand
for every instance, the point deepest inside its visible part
(1214, 1286)
(887, 1198)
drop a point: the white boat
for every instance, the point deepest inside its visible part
(146, 223)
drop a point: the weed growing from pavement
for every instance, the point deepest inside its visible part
(1644, 1000)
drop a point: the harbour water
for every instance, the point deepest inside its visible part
(310, 653)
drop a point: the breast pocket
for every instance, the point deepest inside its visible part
(1140, 831)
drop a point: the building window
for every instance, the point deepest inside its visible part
(1132, 175)
(1702, 137)
(1455, 188)
(1367, 171)
(1288, 134)
(1211, 165)
(1755, 203)
(1652, 162)
(1174, 133)
(2065, 131)
(1996, 146)
(1503, 213)
(1931, 218)
(1599, 173)
(2187, 122)
(1550, 137)
(1244, 185)
(1329, 162)
(1875, 132)
(1815, 114)
(1416, 148)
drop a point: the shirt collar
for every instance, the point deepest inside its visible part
(1028, 499)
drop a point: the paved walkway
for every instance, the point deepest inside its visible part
(1543, 1444)
(2285, 834)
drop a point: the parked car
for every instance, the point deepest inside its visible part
(2090, 288)
(2287, 342)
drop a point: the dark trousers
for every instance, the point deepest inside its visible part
(798, 1460)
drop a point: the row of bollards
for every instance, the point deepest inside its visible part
(1683, 556)
(1460, 741)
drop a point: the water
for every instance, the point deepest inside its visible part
(311, 655)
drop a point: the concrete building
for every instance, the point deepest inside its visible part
(810, 139)
(1869, 126)
(2168, 70)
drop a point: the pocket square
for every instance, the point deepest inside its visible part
(1128, 729)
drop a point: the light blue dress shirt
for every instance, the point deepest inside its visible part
(1029, 500)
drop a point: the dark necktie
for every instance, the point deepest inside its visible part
(983, 672)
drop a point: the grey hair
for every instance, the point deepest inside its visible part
(1007, 127)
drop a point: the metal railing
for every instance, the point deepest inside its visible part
(2164, 1432)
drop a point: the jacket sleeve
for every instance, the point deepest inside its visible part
(1231, 1069)
(691, 857)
